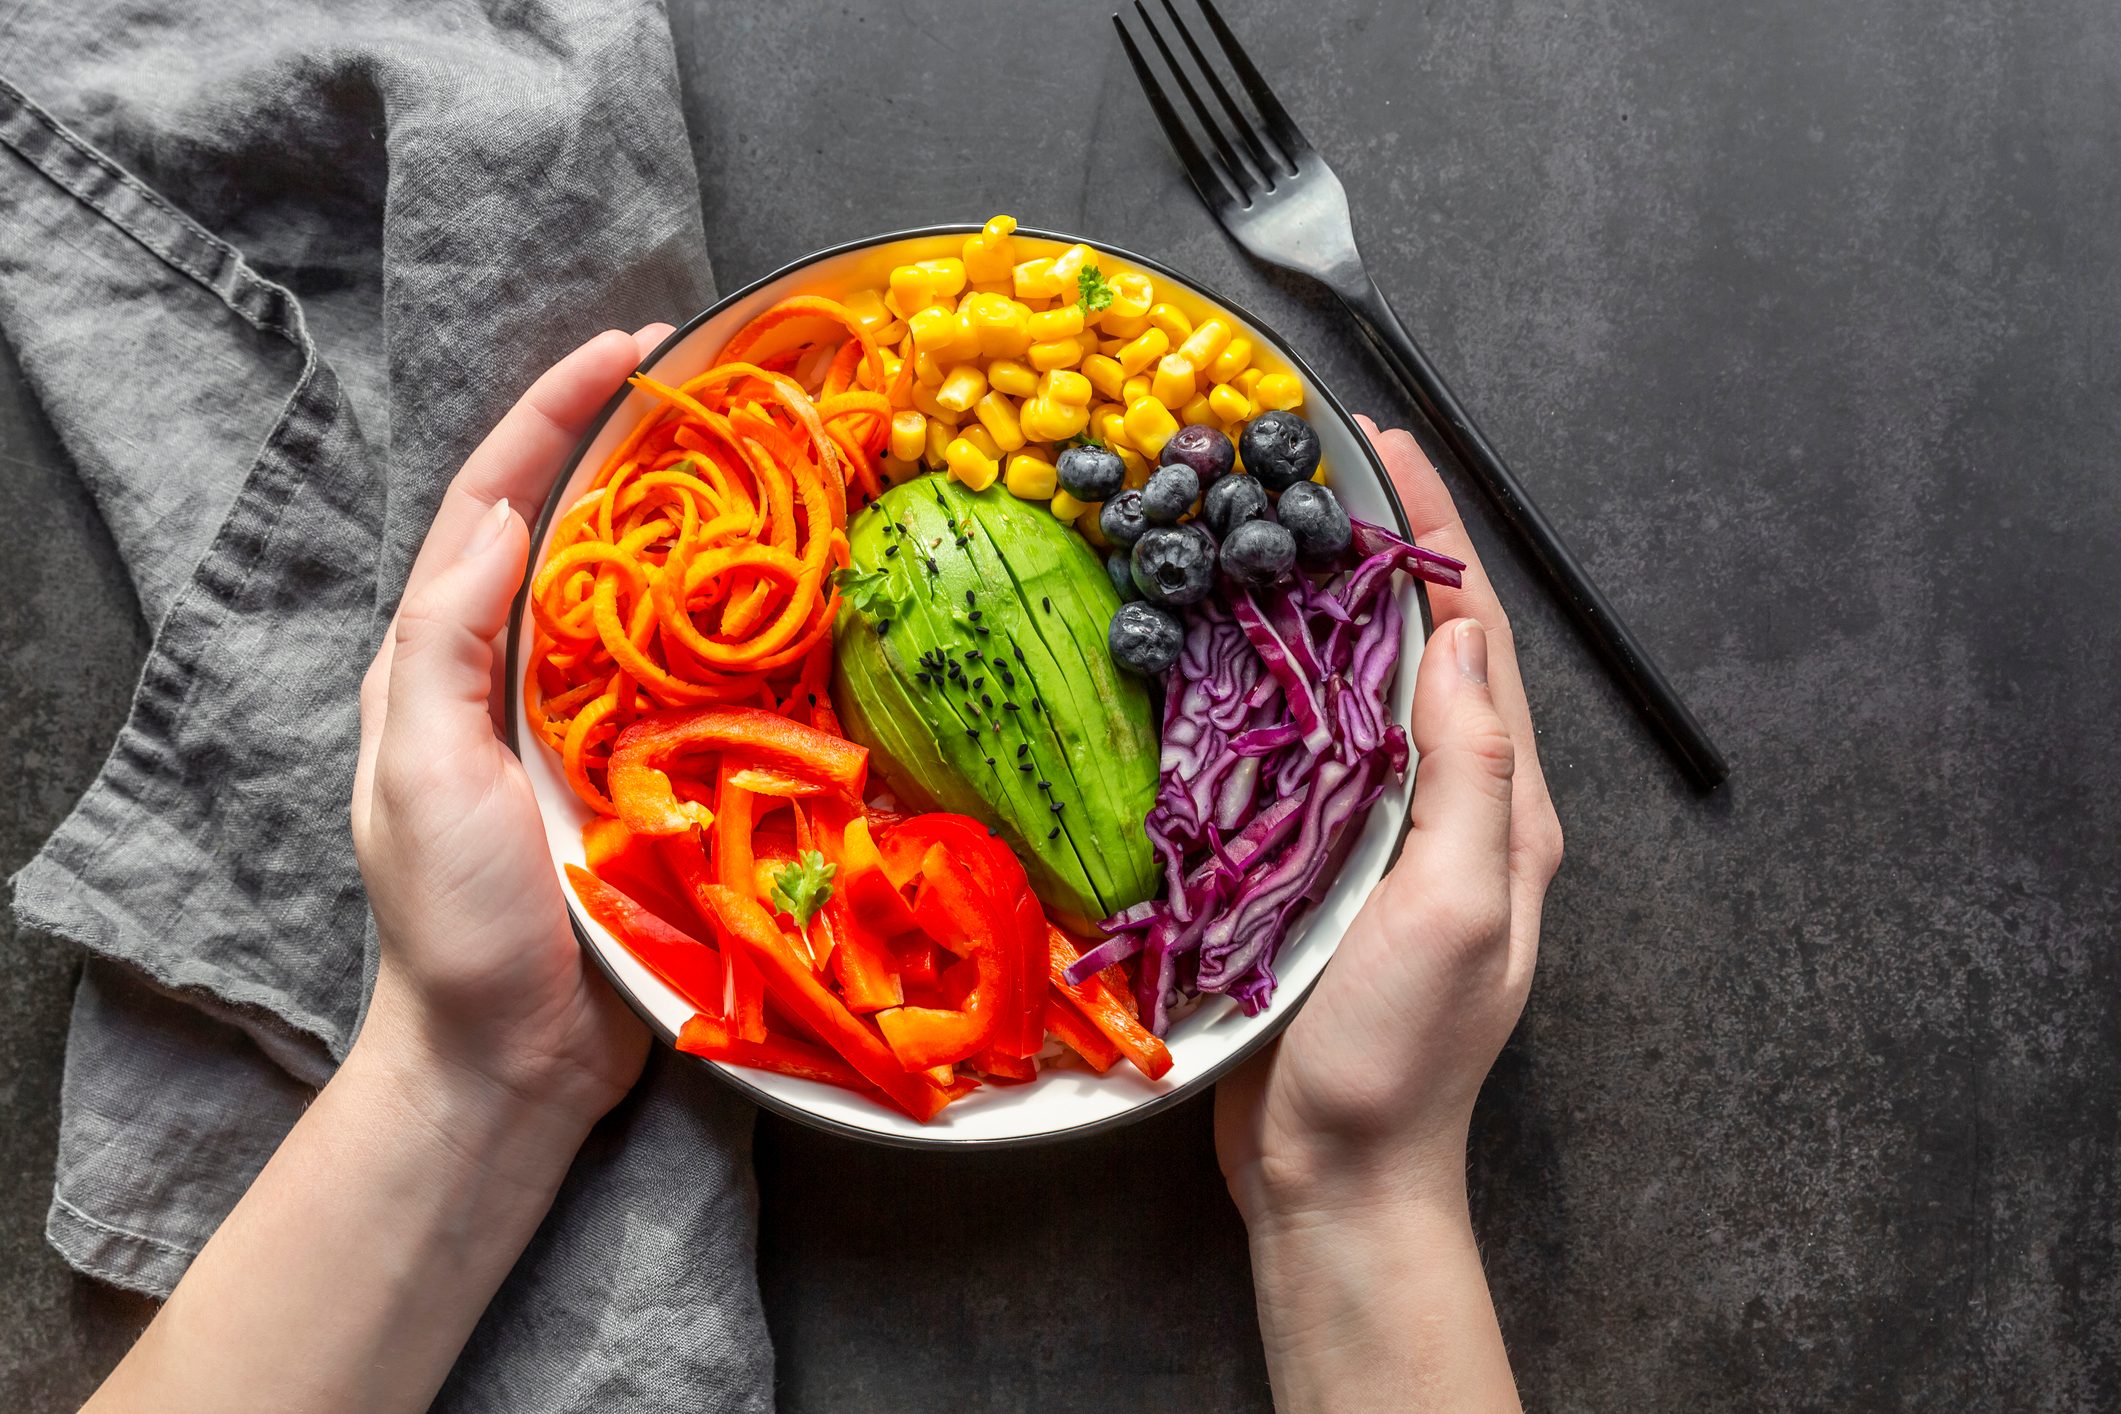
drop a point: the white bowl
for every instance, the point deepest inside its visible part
(1062, 1102)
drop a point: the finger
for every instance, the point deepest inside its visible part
(1458, 847)
(442, 652)
(527, 447)
(1437, 526)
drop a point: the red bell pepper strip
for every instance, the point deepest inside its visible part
(743, 998)
(916, 963)
(1064, 1021)
(867, 968)
(691, 968)
(1105, 1011)
(865, 908)
(748, 929)
(872, 891)
(1023, 1029)
(964, 916)
(632, 865)
(751, 738)
(711, 1037)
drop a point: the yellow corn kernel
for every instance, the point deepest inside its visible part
(891, 366)
(1138, 468)
(1197, 411)
(1232, 360)
(1132, 295)
(1091, 528)
(1123, 326)
(926, 371)
(1065, 386)
(1062, 323)
(1055, 353)
(998, 415)
(1034, 279)
(1149, 425)
(1172, 320)
(909, 434)
(940, 435)
(1135, 387)
(911, 289)
(1110, 348)
(1173, 384)
(981, 438)
(1206, 341)
(1278, 390)
(1030, 478)
(1228, 404)
(1008, 376)
(1109, 422)
(1143, 350)
(1087, 342)
(1067, 507)
(1104, 374)
(891, 333)
(1000, 325)
(1247, 381)
(970, 465)
(1049, 421)
(990, 252)
(943, 333)
(924, 401)
(1069, 263)
(867, 307)
(964, 386)
(897, 469)
(946, 276)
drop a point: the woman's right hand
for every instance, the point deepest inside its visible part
(1344, 1146)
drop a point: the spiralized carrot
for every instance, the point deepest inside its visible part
(697, 569)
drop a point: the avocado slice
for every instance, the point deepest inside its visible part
(970, 659)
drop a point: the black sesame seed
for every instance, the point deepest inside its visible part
(1011, 707)
(1056, 807)
(1053, 833)
(1018, 650)
(1022, 749)
(972, 732)
(982, 628)
(990, 762)
(1047, 601)
(975, 615)
(1024, 766)
(881, 625)
(1008, 678)
(890, 550)
(1045, 785)
(985, 700)
(979, 682)
(991, 831)
(931, 565)
(969, 599)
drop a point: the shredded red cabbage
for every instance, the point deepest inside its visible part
(1277, 739)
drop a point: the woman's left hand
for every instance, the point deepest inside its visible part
(480, 971)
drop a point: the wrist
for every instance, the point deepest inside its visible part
(474, 1117)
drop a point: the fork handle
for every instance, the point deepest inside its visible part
(1624, 655)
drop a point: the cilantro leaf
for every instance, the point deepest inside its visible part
(1093, 291)
(1084, 439)
(801, 888)
(867, 590)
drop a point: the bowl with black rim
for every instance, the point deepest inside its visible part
(1207, 1041)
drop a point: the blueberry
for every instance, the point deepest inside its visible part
(1090, 473)
(1232, 501)
(1316, 518)
(1121, 570)
(1280, 449)
(1144, 639)
(1122, 519)
(1171, 492)
(1174, 564)
(1259, 553)
(1201, 447)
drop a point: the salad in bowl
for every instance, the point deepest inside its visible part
(963, 677)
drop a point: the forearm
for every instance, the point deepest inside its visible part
(1379, 1307)
(350, 1274)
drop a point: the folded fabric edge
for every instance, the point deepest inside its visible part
(131, 1260)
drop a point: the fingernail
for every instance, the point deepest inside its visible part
(488, 530)
(1471, 645)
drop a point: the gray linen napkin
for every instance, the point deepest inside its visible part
(272, 267)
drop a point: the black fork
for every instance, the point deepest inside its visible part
(1280, 200)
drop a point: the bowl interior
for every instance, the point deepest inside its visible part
(1061, 1101)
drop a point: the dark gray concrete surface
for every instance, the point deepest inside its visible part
(1802, 317)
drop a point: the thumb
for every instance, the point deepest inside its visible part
(1460, 833)
(442, 654)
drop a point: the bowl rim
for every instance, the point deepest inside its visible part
(1285, 1006)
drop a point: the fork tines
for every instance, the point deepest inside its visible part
(1273, 148)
